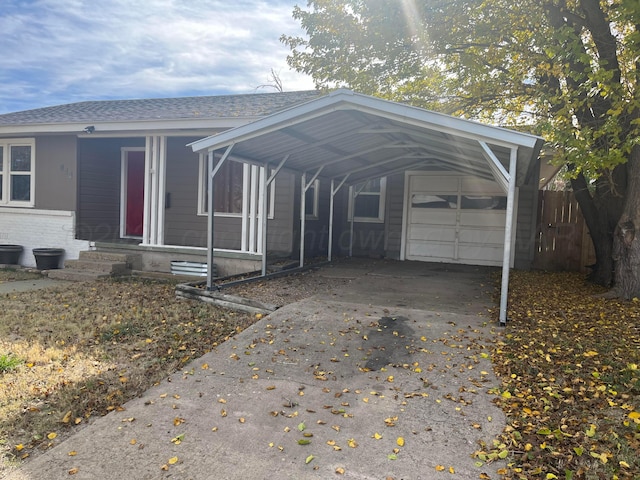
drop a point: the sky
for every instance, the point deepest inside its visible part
(62, 51)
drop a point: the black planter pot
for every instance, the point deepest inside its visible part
(48, 258)
(10, 254)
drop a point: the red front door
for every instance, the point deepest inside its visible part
(135, 194)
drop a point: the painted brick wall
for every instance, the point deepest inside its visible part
(40, 229)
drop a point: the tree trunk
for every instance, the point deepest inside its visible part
(626, 241)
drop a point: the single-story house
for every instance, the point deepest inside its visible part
(292, 174)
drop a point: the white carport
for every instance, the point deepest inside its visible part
(349, 138)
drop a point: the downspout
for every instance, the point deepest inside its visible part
(506, 259)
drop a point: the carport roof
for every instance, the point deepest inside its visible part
(346, 134)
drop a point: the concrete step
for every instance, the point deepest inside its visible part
(76, 275)
(98, 256)
(98, 266)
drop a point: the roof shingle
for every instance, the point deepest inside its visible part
(205, 107)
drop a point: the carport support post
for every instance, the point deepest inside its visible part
(303, 210)
(508, 228)
(210, 214)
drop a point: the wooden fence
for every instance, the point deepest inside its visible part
(562, 237)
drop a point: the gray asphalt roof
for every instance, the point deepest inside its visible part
(247, 105)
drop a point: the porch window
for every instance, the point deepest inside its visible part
(228, 190)
(17, 172)
(368, 205)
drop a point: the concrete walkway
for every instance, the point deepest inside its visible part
(366, 384)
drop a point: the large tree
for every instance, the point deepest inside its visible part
(567, 69)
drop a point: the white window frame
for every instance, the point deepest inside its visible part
(202, 192)
(6, 172)
(382, 194)
(316, 200)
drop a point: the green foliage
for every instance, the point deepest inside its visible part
(566, 69)
(9, 362)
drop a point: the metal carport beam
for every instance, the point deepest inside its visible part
(212, 173)
(499, 172)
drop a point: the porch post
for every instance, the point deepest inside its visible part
(147, 190)
(508, 228)
(162, 187)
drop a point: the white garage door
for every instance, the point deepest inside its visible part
(455, 219)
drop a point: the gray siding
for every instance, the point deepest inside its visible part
(183, 225)
(99, 187)
(280, 229)
(526, 223)
(56, 173)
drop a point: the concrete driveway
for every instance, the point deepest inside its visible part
(380, 379)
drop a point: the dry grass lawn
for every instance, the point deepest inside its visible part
(72, 353)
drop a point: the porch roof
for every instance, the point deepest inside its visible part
(346, 134)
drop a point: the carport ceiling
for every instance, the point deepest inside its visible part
(345, 133)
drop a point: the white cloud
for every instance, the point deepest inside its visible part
(64, 51)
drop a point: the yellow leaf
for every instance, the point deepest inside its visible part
(506, 394)
(624, 464)
(439, 468)
(590, 353)
(205, 366)
(19, 447)
(352, 443)
(67, 417)
(309, 459)
(177, 421)
(451, 470)
(73, 471)
(340, 471)
(377, 436)
(173, 460)
(634, 415)
(400, 441)
(52, 435)
(390, 379)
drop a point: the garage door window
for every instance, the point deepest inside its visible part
(470, 202)
(368, 205)
(467, 202)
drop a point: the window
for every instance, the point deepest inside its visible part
(368, 205)
(17, 172)
(228, 189)
(311, 200)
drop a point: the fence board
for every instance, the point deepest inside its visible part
(562, 239)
